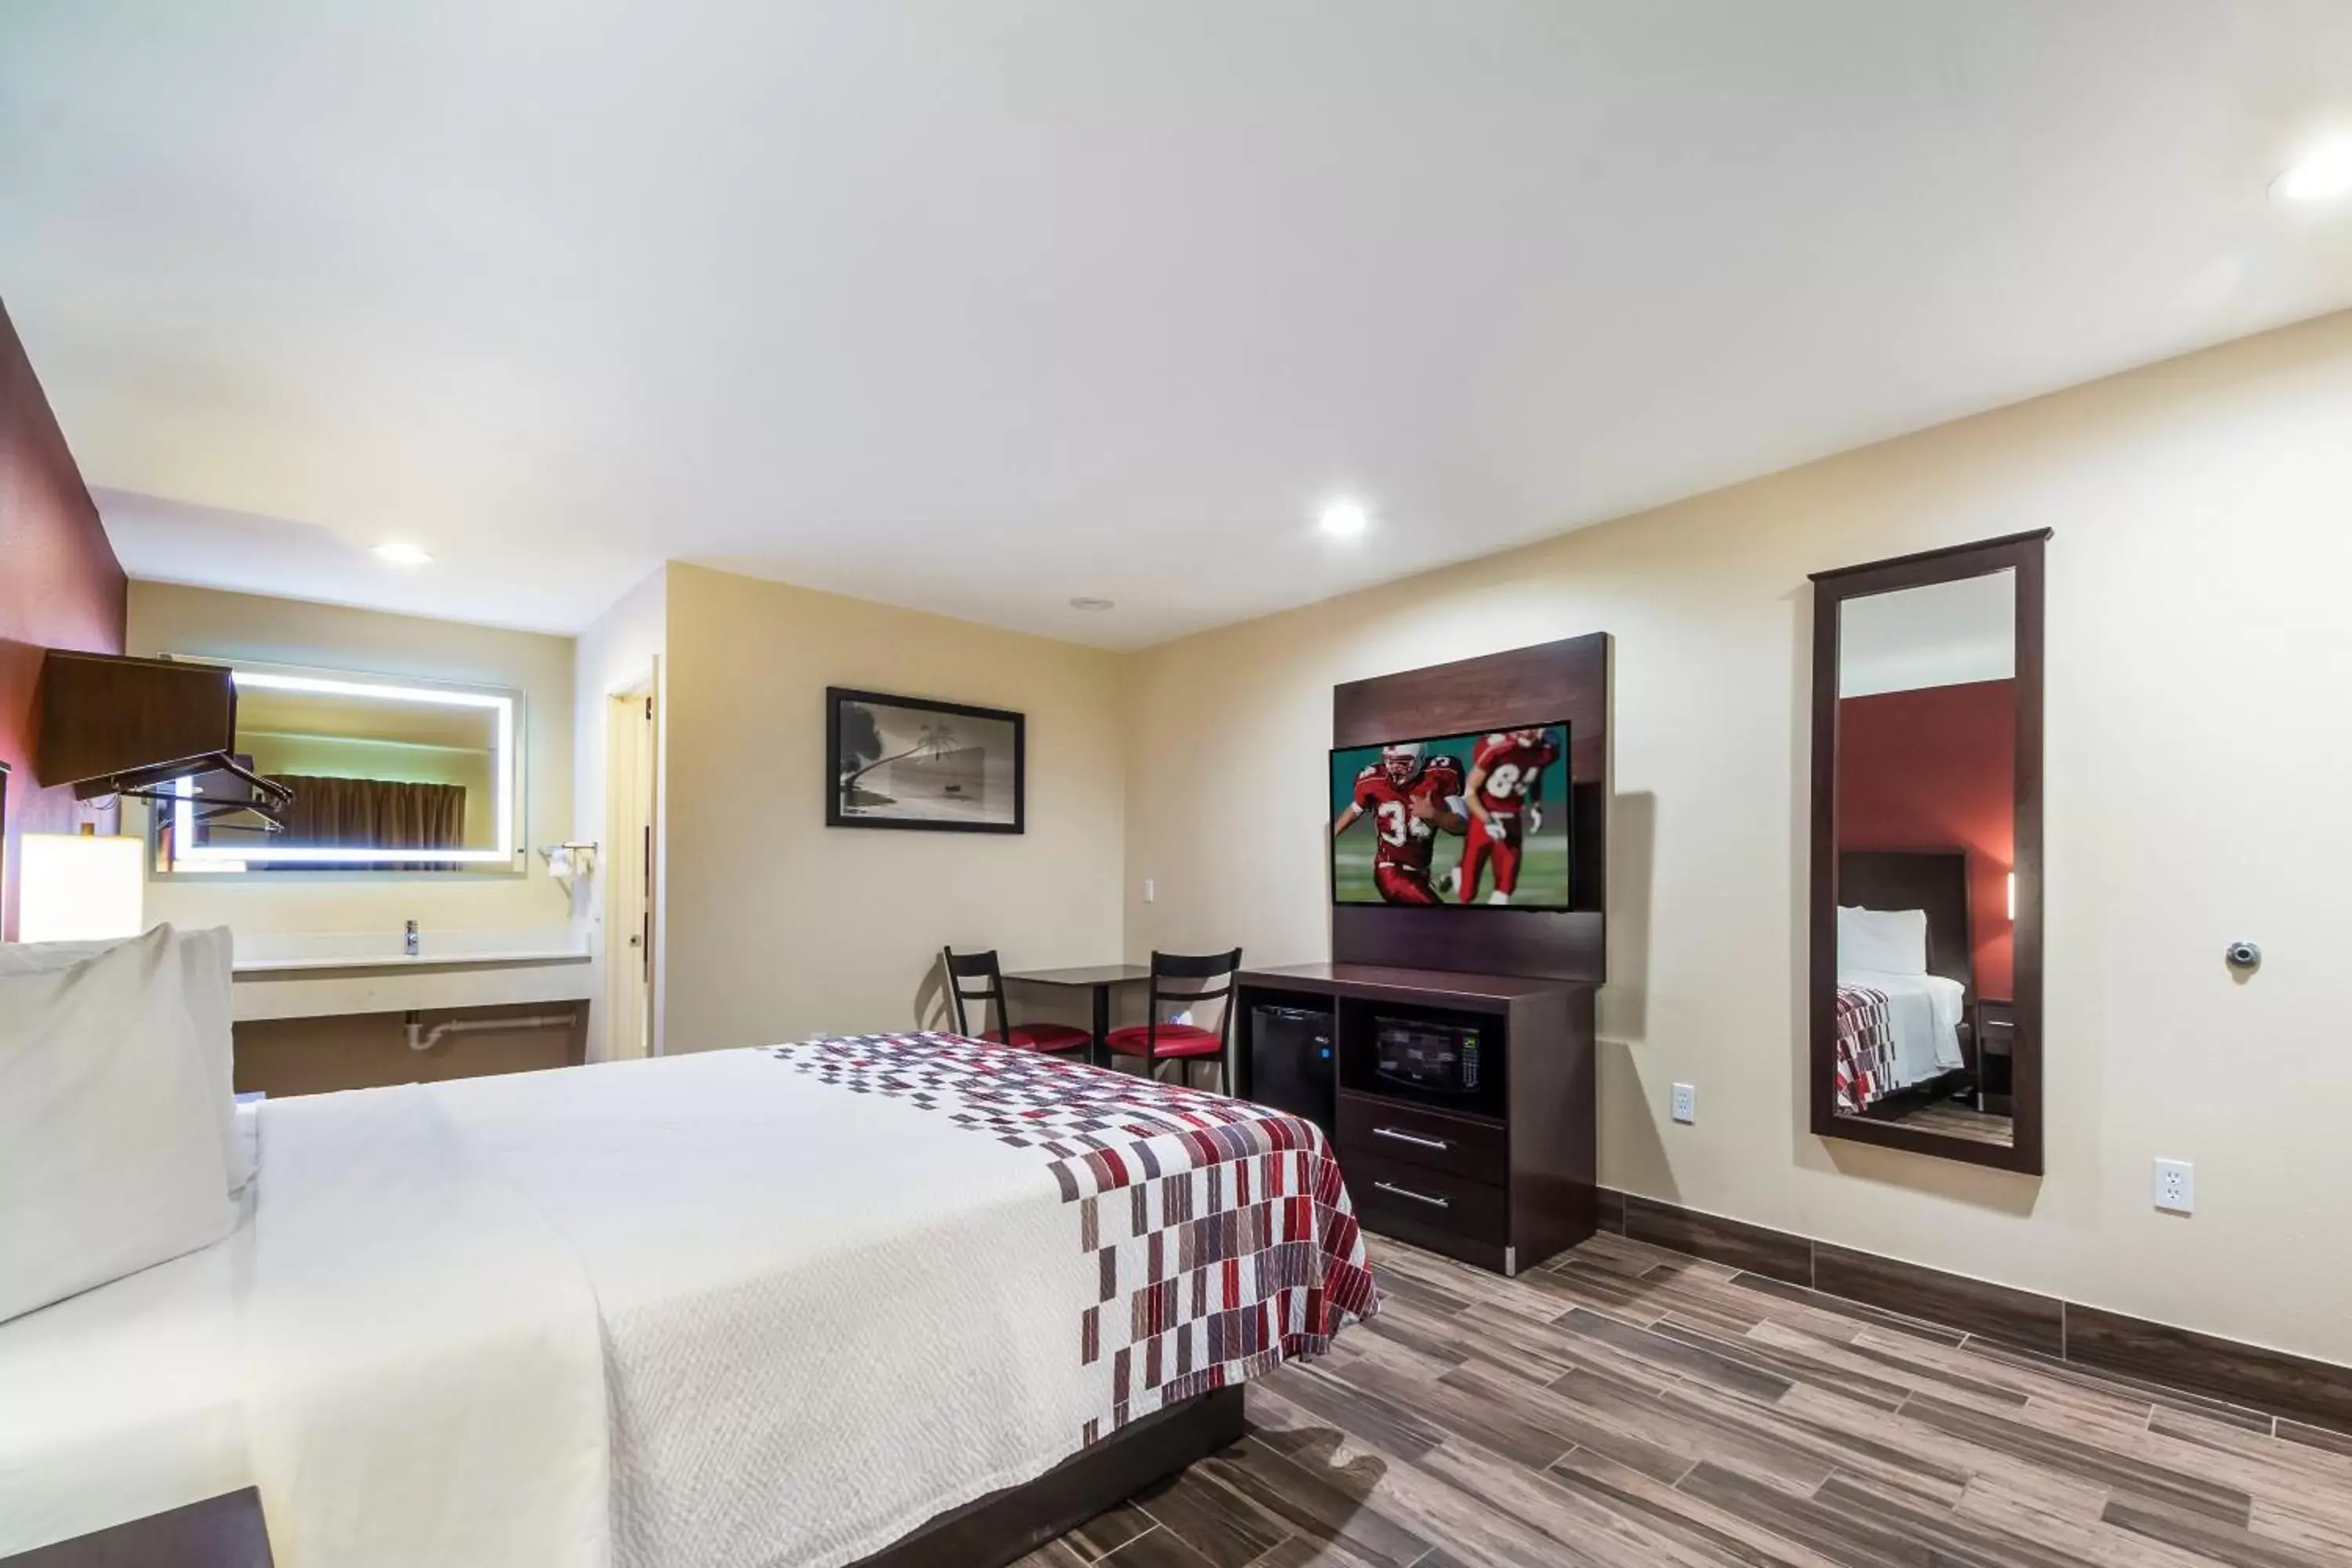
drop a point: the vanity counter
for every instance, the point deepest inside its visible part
(313, 975)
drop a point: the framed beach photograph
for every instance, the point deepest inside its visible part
(906, 761)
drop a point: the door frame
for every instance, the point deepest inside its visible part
(632, 720)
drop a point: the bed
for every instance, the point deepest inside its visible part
(1901, 1011)
(795, 1305)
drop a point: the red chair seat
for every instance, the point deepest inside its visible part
(1042, 1038)
(1175, 1040)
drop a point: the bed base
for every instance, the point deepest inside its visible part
(989, 1532)
(1005, 1526)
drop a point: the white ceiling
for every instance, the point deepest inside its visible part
(977, 305)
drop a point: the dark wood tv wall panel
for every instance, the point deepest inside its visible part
(1544, 684)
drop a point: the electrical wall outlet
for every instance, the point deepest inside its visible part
(1685, 1102)
(2175, 1186)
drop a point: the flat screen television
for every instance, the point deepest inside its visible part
(1474, 821)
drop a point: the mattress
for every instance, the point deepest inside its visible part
(743, 1308)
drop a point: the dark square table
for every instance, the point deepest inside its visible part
(1100, 980)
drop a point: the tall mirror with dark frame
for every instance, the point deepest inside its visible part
(1926, 972)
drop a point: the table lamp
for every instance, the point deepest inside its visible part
(79, 887)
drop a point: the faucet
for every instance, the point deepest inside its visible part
(408, 942)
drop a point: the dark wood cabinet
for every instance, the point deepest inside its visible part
(1506, 1186)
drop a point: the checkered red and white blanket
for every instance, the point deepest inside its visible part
(1865, 1048)
(1223, 1237)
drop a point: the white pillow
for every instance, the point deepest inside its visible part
(205, 957)
(1883, 942)
(206, 960)
(109, 1153)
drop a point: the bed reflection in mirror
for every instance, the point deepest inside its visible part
(1923, 696)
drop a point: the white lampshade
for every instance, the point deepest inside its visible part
(79, 888)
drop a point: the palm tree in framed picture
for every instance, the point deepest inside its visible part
(931, 740)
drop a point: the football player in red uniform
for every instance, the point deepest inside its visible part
(1410, 799)
(1506, 772)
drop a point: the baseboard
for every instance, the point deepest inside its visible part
(2246, 1384)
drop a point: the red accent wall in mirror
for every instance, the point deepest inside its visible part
(60, 586)
(1936, 769)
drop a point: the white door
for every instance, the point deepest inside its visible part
(631, 751)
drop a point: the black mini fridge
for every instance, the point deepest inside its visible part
(1290, 1062)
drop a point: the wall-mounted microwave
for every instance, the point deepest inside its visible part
(1448, 1065)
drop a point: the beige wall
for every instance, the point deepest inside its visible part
(778, 926)
(168, 618)
(2197, 665)
(624, 647)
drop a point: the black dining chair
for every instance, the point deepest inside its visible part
(989, 992)
(1198, 977)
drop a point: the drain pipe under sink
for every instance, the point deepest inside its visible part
(420, 1038)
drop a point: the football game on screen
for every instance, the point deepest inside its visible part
(1458, 820)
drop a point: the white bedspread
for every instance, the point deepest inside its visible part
(703, 1311)
(1924, 1015)
(124, 1401)
(788, 1383)
(423, 1371)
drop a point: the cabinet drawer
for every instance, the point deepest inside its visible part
(1381, 1129)
(1387, 1189)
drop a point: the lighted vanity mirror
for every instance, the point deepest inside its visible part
(1926, 967)
(387, 775)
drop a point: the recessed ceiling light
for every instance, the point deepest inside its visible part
(1344, 519)
(1084, 602)
(2321, 174)
(403, 554)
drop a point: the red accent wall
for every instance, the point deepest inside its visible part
(60, 586)
(1936, 769)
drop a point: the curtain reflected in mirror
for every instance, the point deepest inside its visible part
(383, 813)
(1925, 965)
(1925, 825)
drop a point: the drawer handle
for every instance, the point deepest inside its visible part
(1417, 1197)
(1441, 1144)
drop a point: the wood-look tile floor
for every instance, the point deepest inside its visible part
(1629, 1406)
